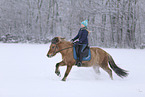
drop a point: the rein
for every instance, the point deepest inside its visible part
(63, 49)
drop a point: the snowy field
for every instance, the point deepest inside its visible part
(25, 71)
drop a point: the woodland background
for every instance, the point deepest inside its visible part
(114, 23)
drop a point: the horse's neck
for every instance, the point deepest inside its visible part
(64, 45)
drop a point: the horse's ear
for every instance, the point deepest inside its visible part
(55, 40)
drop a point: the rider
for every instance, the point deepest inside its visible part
(83, 41)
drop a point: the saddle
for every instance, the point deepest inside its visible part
(86, 53)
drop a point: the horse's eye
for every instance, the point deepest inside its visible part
(53, 47)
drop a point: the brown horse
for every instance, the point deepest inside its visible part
(99, 58)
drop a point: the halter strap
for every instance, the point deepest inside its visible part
(63, 49)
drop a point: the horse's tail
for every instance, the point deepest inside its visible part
(120, 72)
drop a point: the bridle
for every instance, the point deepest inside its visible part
(55, 52)
(55, 49)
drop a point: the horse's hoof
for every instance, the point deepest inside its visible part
(63, 79)
(58, 73)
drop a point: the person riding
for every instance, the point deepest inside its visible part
(83, 41)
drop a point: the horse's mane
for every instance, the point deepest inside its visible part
(61, 40)
(65, 41)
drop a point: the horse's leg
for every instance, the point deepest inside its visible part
(96, 69)
(109, 71)
(104, 65)
(67, 72)
(57, 71)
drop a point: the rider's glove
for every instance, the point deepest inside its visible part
(72, 40)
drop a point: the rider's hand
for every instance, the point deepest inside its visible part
(72, 40)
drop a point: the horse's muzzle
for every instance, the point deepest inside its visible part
(49, 56)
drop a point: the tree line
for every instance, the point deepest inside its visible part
(113, 23)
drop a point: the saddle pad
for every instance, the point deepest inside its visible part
(87, 58)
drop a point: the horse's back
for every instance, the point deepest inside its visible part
(98, 50)
(98, 54)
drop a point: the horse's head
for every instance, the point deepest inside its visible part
(54, 46)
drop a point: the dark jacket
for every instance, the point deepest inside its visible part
(82, 36)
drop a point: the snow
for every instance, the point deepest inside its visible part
(25, 71)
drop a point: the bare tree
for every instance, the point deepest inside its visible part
(114, 23)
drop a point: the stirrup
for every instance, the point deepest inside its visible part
(79, 64)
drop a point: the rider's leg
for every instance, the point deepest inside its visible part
(81, 50)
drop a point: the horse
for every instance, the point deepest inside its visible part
(99, 58)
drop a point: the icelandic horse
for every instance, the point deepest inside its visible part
(99, 58)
